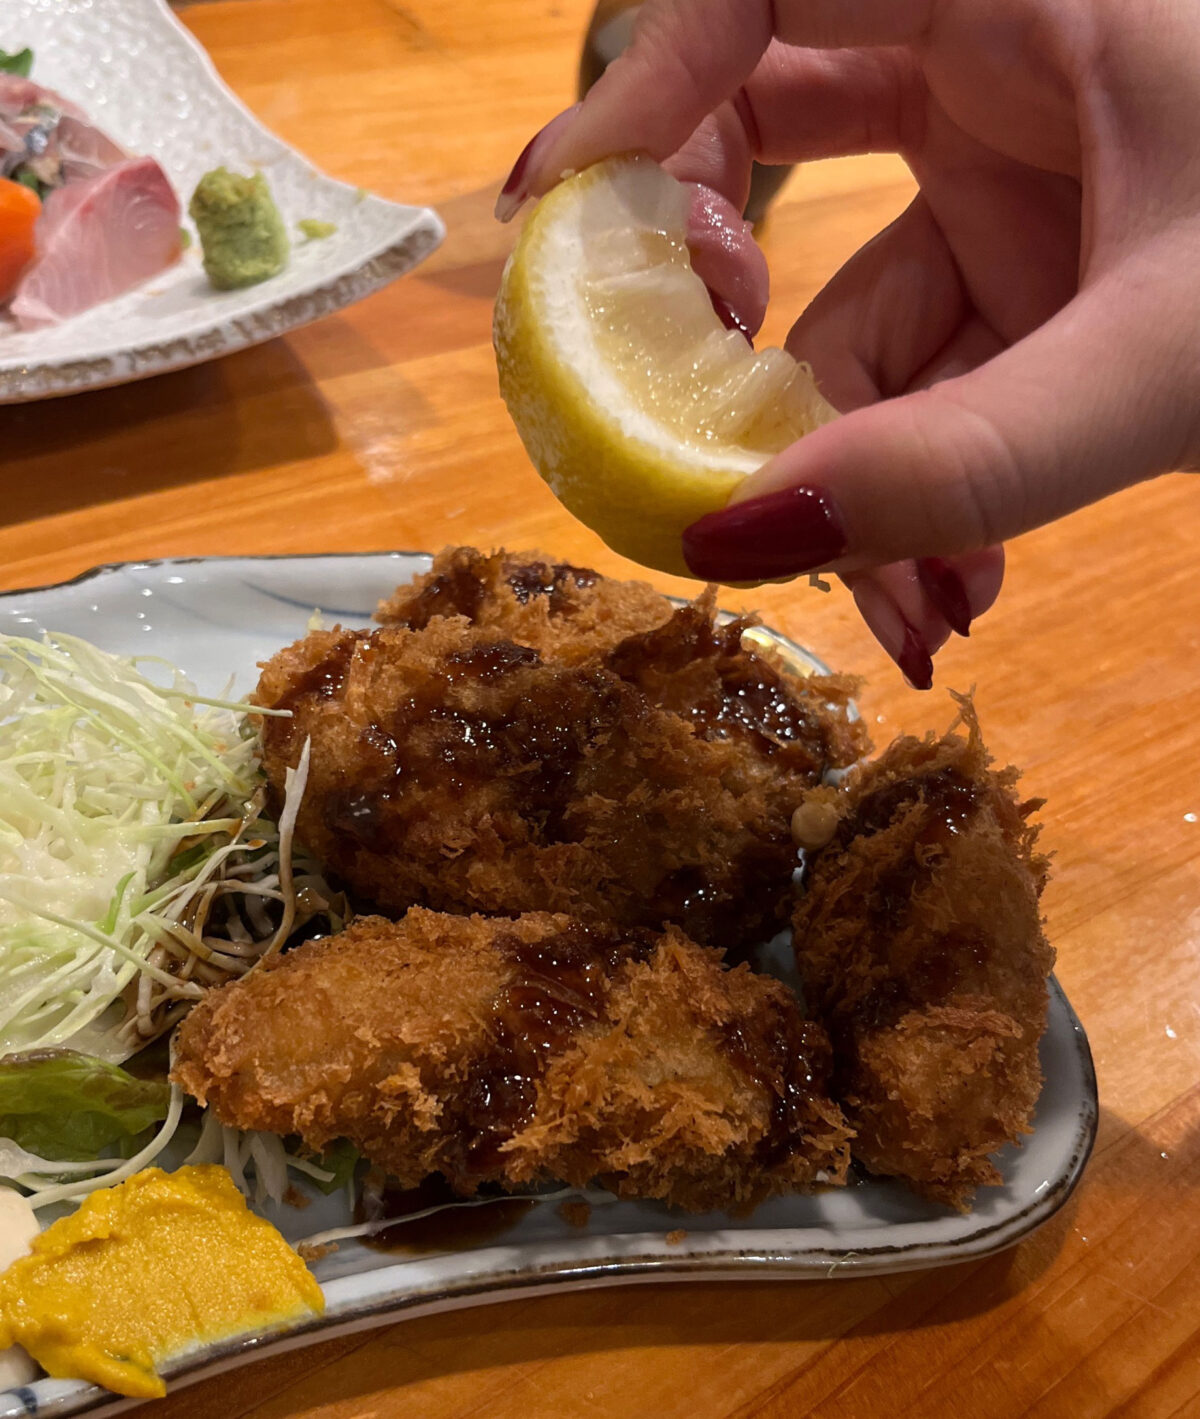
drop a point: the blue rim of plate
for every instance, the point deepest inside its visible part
(732, 1263)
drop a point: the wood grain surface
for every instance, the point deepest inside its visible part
(382, 427)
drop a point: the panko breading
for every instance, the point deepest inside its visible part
(521, 1051)
(647, 781)
(919, 942)
(567, 613)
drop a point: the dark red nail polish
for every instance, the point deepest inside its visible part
(944, 587)
(513, 180)
(780, 534)
(915, 662)
(730, 318)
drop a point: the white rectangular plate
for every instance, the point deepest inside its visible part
(219, 617)
(141, 76)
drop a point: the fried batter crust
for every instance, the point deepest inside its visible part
(919, 942)
(516, 1052)
(568, 613)
(582, 748)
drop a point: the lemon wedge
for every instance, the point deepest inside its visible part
(637, 406)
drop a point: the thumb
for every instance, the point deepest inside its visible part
(1099, 397)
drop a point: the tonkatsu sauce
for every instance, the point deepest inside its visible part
(560, 984)
(452, 1229)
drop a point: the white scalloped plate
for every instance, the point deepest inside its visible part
(134, 68)
(219, 617)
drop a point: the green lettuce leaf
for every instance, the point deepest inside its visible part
(62, 1104)
(340, 1158)
(19, 63)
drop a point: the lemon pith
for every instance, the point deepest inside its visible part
(635, 404)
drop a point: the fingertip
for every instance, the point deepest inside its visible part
(529, 174)
(727, 259)
(907, 644)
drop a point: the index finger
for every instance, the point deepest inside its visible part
(688, 56)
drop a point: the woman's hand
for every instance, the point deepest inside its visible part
(1020, 342)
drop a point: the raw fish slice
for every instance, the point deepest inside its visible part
(73, 146)
(96, 239)
(18, 94)
(86, 150)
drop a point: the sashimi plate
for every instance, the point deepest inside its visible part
(216, 618)
(141, 77)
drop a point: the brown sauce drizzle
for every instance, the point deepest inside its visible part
(949, 800)
(948, 803)
(322, 681)
(457, 591)
(702, 672)
(950, 960)
(455, 1229)
(535, 737)
(490, 662)
(791, 1059)
(530, 579)
(559, 984)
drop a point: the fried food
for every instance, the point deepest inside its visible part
(525, 736)
(517, 1052)
(920, 946)
(568, 613)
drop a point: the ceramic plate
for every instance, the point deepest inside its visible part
(135, 69)
(217, 618)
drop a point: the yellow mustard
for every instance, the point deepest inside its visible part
(145, 1270)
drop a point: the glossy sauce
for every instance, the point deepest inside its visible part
(444, 733)
(559, 985)
(788, 1057)
(948, 802)
(458, 590)
(454, 1229)
(950, 960)
(704, 673)
(530, 579)
(322, 681)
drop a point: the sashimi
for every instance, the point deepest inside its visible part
(49, 136)
(18, 94)
(96, 238)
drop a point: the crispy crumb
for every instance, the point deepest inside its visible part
(310, 1252)
(675, 1237)
(575, 1211)
(522, 1051)
(524, 735)
(919, 943)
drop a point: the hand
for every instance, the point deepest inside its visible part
(1019, 343)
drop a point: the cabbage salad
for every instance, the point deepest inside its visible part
(138, 869)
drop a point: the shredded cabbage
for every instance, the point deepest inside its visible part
(136, 870)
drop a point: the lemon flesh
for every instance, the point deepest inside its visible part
(635, 403)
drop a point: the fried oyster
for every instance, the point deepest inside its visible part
(518, 1051)
(919, 942)
(527, 736)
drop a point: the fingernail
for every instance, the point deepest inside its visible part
(944, 587)
(514, 193)
(780, 534)
(890, 628)
(516, 189)
(914, 660)
(730, 318)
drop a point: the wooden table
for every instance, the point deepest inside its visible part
(381, 428)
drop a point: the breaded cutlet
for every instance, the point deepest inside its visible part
(920, 945)
(639, 783)
(567, 613)
(520, 1051)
